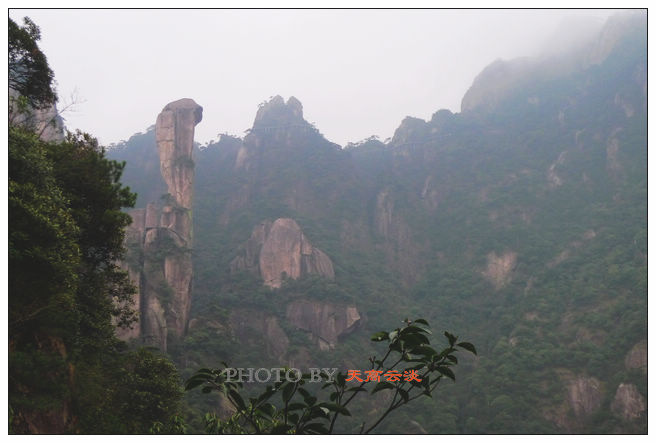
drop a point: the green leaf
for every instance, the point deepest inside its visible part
(421, 321)
(266, 394)
(268, 409)
(287, 392)
(467, 346)
(452, 338)
(194, 382)
(335, 408)
(446, 371)
(380, 336)
(382, 385)
(206, 389)
(356, 389)
(295, 406)
(395, 346)
(281, 429)
(304, 393)
(317, 428)
(415, 340)
(414, 329)
(423, 350)
(236, 398)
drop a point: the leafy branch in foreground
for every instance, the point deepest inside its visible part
(287, 407)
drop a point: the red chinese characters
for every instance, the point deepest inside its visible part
(376, 375)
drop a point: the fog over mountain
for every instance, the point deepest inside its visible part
(326, 189)
(360, 72)
(519, 221)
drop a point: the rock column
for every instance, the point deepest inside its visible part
(162, 233)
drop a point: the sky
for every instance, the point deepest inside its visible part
(357, 72)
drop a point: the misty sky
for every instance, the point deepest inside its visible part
(357, 72)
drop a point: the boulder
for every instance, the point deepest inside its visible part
(628, 403)
(279, 249)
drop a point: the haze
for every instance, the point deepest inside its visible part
(357, 72)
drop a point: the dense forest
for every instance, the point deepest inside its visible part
(519, 224)
(68, 372)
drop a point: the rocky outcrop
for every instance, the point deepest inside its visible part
(499, 268)
(584, 395)
(628, 403)
(46, 122)
(276, 112)
(326, 322)
(160, 237)
(174, 132)
(279, 127)
(402, 253)
(410, 131)
(258, 327)
(495, 82)
(613, 165)
(636, 358)
(278, 250)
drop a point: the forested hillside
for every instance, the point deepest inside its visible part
(520, 223)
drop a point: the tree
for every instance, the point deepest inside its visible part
(29, 73)
(95, 197)
(67, 370)
(412, 369)
(43, 261)
(137, 393)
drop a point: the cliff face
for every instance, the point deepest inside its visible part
(174, 132)
(628, 403)
(280, 249)
(46, 122)
(160, 236)
(473, 216)
(326, 322)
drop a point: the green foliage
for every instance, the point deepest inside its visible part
(43, 251)
(29, 73)
(67, 370)
(408, 350)
(460, 187)
(136, 392)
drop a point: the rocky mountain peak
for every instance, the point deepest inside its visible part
(410, 129)
(276, 113)
(186, 105)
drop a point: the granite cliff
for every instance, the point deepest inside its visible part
(160, 236)
(519, 221)
(279, 249)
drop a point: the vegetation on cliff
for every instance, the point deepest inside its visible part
(68, 373)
